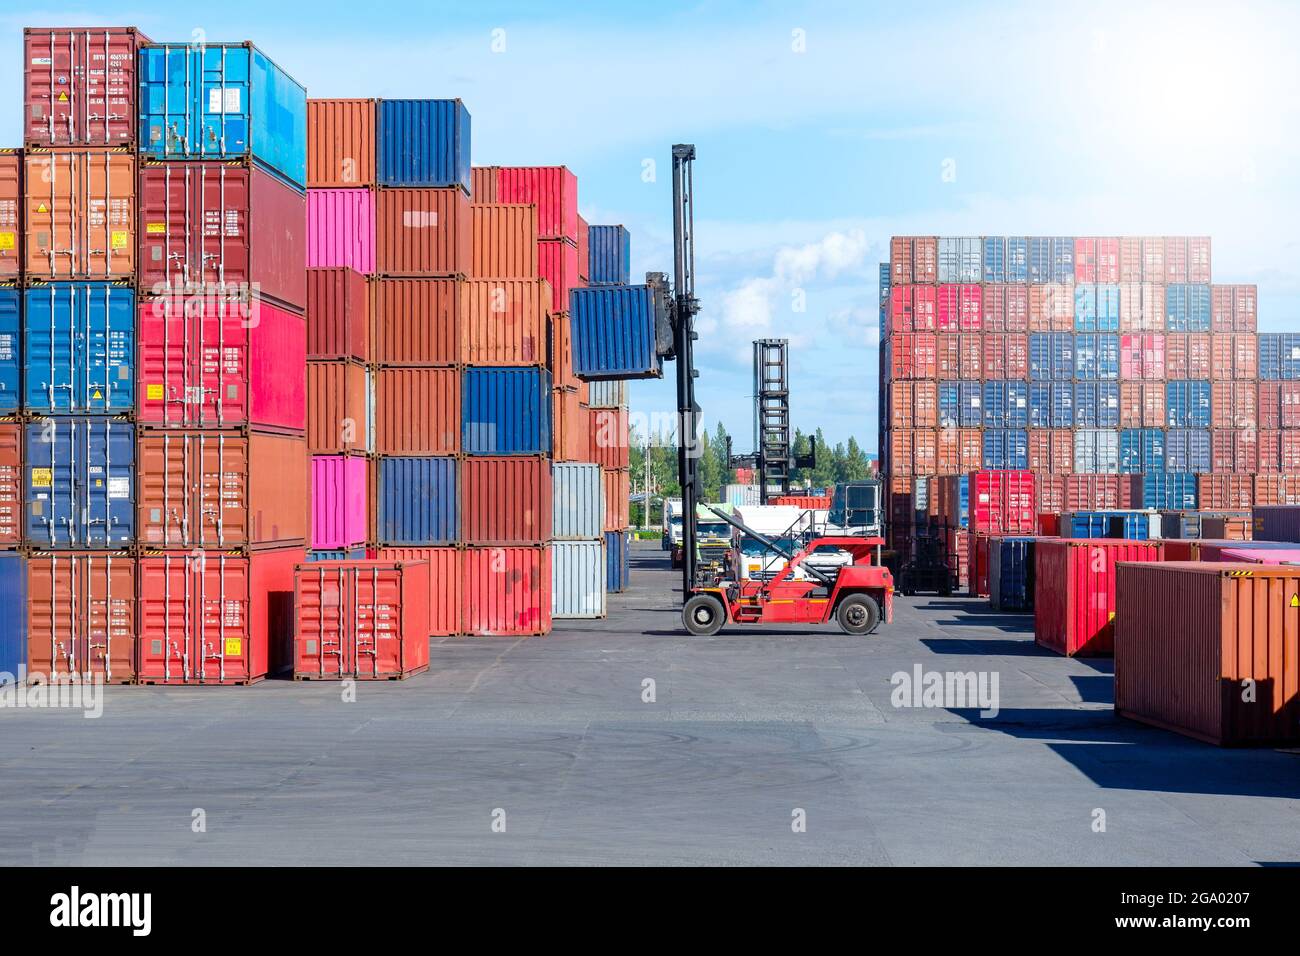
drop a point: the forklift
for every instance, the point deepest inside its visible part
(859, 596)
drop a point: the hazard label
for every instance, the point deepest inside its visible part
(120, 238)
(96, 394)
(42, 208)
(156, 228)
(1295, 600)
(234, 646)
(1112, 616)
(63, 97)
(42, 477)
(8, 241)
(154, 392)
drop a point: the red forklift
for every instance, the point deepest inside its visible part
(808, 589)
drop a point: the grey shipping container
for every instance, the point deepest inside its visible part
(607, 394)
(578, 579)
(577, 501)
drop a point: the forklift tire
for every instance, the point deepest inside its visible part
(703, 615)
(858, 614)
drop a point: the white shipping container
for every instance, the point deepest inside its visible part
(1096, 451)
(741, 495)
(961, 259)
(607, 394)
(578, 579)
(577, 501)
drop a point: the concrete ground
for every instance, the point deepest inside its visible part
(748, 733)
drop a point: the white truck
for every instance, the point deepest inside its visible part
(785, 525)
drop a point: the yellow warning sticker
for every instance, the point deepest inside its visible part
(1295, 600)
(234, 646)
(154, 392)
(96, 394)
(42, 208)
(120, 238)
(156, 228)
(8, 241)
(42, 477)
(63, 97)
(1112, 616)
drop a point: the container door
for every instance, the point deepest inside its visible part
(221, 108)
(105, 471)
(82, 617)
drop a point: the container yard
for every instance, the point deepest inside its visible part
(372, 472)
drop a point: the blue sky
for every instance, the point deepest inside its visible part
(822, 129)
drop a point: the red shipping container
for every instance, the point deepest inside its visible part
(948, 355)
(338, 408)
(417, 411)
(1290, 452)
(338, 315)
(1003, 502)
(900, 446)
(1153, 259)
(1279, 404)
(994, 307)
(925, 407)
(978, 566)
(560, 359)
(1233, 450)
(505, 321)
(914, 355)
(215, 617)
(901, 401)
(1051, 451)
(417, 321)
(361, 619)
(445, 580)
(218, 363)
(507, 591)
(552, 189)
(1096, 260)
(222, 225)
(1142, 357)
(584, 252)
(607, 435)
(807, 502)
(80, 85)
(947, 452)
(12, 489)
(959, 308)
(483, 183)
(969, 357)
(1096, 492)
(1130, 259)
(1051, 496)
(914, 259)
(1175, 259)
(505, 500)
(423, 232)
(11, 207)
(570, 426)
(618, 492)
(1189, 636)
(912, 308)
(1225, 492)
(1233, 308)
(1233, 405)
(557, 263)
(1198, 259)
(81, 615)
(1269, 452)
(1187, 355)
(1141, 307)
(1234, 356)
(1074, 591)
(995, 356)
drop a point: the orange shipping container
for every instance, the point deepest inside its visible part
(1234, 450)
(1051, 493)
(901, 403)
(444, 584)
(1277, 489)
(80, 213)
(570, 424)
(338, 403)
(505, 500)
(505, 241)
(422, 232)
(1268, 452)
(504, 321)
(618, 489)
(11, 205)
(417, 411)
(81, 615)
(1051, 451)
(1234, 405)
(1187, 355)
(1233, 308)
(416, 321)
(1234, 356)
(925, 405)
(608, 441)
(948, 355)
(1225, 492)
(217, 489)
(1051, 307)
(11, 485)
(560, 360)
(970, 446)
(340, 143)
(1142, 405)
(483, 182)
(947, 452)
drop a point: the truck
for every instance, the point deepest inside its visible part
(856, 509)
(713, 536)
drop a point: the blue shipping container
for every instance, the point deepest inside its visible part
(507, 411)
(1006, 448)
(1141, 451)
(1188, 449)
(1006, 259)
(1133, 525)
(1167, 491)
(609, 257)
(1096, 357)
(11, 330)
(1096, 404)
(1051, 405)
(1006, 404)
(418, 502)
(617, 568)
(613, 330)
(80, 483)
(1051, 356)
(1063, 259)
(13, 633)
(1096, 308)
(1187, 404)
(222, 101)
(1187, 307)
(1011, 574)
(422, 143)
(79, 347)
(959, 405)
(1279, 356)
(337, 554)
(1040, 260)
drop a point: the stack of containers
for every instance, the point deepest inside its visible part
(1110, 367)
(13, 562)
(77, 327)
(221, 515)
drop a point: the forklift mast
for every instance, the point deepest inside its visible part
(683, 308)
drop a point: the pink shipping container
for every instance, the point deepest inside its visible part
(341, 229)
(1142, 357)
(553, 190)
(1096, 260)
(557, 263)
(960, 308)
(445, 581)
(507, 591)
(1074, 591)
(912, 308)
(214, 363)
(1244, 556)
(361, 619)
(338, 501)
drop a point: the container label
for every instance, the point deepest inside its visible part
(234, 646)
(120, 238)
(119, 487)
(217, 105)
(42, 477)
(1295, 600)
(7, 241)
(41, 61)
(154, 392)
(156, 228)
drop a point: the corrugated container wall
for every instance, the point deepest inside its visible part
(506, 411)
(609, 250)
(339, 501)
(552, 189)
(418, 501)
(614, 333)
(340, 143)
(418, 411)
(12, 436)
(578, 501)
(11, 218)
(82, 616)
(13, 635)
(506, 500)
(80, 214)
(505, 241)
(507, 591)
(80, 86)
(578, 579)
(338, 315)
(1074, 591)
(505, 321)
(416, 321)
(423, 143)
(423, 232)
(339, 397)
(80, 485)
(445, 581)
(78, 348)
(341, 229)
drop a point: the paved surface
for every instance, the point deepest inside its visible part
(746, 728)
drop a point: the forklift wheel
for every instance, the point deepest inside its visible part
(858, 614)
(703, 615)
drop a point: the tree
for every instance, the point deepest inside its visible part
(856, 464)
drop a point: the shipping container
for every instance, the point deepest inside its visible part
(79, 347)
(80, 85)
(1276, 523)
(570, 431)
(913, 308)
(506, 411)
(506, 500)
(423, 232)
(1288, 556)
(341, 229)
(557, 263)
(366, 620)
(340, 143)
(1236, 405)
(338, 315)
(12, 492)
(484, 181)
(1226, 492)
(79, 215)
(505, 320)
(1142, 405)
(914, 258)
(224, 490)
(1002, 502)
(1166, 490)
(1234, 308)
(417, 321)
(337, 554)
(1011, 574)
(560, 352)
(1188, 449)
(1091, 492)
(1051, 307)
(577, 501)
(1096, 404)
(1279, 403)
(978, 547)
(959, 404)
(1238, 451)
(11, 214)
(1096, 451)
(1187, 307)
(215, 617)
(1006, 356)
(1051, 405)
(339, 501)
(552, 189)
(959, 308)
(80, 483)
(1096, 260)
(13, 635)
(1096, 308)
(445, 582)
(1096, 357)
(1277, 489)
(618, 490)
(913, 356)
(222, 101)
(578, 573)
(81, 616)
(1141, 451)
(340, 411)
(1051, 451)
(1233, 526)
(584, 252)
(1141, 307)
(505, 241)
(1279, 356)
(417, 501)
(1188, 404)
(1129, 525)
(1006, 259)
(1130, 259)
(1006, 405)
(417, 411)
(1074, 591)
(1051, 357)
(423, 143)
(618, 545)
(609, 250)
(1190, 636)
(608, 437)
(1268, 452)
(225, 229)
(1142, 357)
(507, 591)
(221, 363)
